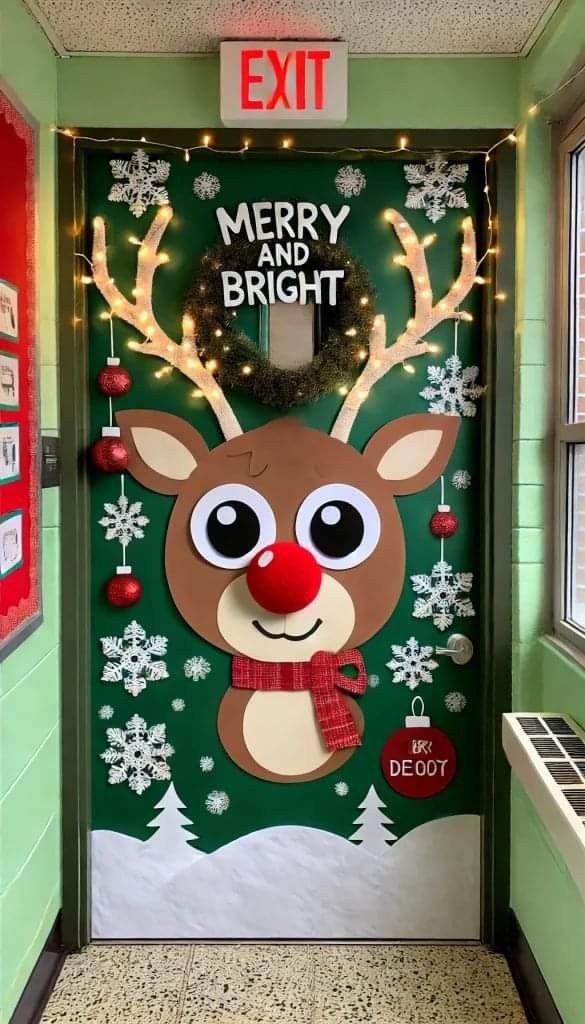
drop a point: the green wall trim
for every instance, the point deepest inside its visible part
(384, 92)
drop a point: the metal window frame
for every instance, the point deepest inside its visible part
(568, 139)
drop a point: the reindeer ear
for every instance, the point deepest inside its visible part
(412, 452)
(163, 450)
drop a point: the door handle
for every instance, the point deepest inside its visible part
(459, 648)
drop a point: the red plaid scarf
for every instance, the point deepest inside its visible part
(321, 675)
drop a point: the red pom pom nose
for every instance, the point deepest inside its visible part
(284, 577)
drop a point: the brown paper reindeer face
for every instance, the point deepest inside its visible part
(285, 482)
(285, 718)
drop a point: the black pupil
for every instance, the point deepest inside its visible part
(233, 529)
(337, 529)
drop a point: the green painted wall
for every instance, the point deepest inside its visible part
(384, 92)
(30, 874)
(543, 895)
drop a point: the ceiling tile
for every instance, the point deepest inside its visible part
(369, 26)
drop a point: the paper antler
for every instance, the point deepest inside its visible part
(427, 315)
(139, 314)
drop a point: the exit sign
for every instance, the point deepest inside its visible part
(276, 84)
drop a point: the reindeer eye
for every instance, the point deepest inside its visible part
(339, 524)
(230, 524)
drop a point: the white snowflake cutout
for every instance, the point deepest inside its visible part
(206, 763)
(206, 186)
(350, 181)
(196, 668)
(178, 704)
(144, 185)
(461, 479)
(452, 388)
(341, 788)
(106, 711)
(433, 186)
(217, 802)
(131, 658)
(137, 754)
(373, 681)
(455, 701)
(123, 520)
(412, 664)
(442, 595)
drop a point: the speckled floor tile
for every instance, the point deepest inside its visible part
(284, 984)
(120, 984)
(255, 984)
(413, 985)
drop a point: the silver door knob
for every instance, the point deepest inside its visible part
(459, 648)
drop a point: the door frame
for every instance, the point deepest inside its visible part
(495, 502)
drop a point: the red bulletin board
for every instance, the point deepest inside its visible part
(20, 590)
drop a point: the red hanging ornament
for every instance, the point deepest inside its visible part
(109, 454)
(114, 380)
(444, 523)
(124, 589)
(418, 760)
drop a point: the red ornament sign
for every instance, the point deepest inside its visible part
(420, 759)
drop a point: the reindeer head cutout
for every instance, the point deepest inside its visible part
(285, 482)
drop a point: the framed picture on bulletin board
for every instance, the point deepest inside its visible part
(20, 550)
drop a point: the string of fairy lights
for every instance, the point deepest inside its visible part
(402, 147)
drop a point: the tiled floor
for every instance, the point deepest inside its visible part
(275, 984)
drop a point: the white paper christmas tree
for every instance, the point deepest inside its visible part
(372, 832)
(171, 823)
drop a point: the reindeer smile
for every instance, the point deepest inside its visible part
(287, 636)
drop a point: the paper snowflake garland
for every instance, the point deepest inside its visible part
(178, 704)
(106, 711)
(196, 668)
(412, 664)
(442, 595)
(455, 701)
(341, 788)
(350, 181)
(461, 479)
(452, 388)
(373, 681)
(217, 802)
(137, 754)
(123, 520)
(206, 763)
(131, 661)
(433, 186)
(206, 186)
(144, 185)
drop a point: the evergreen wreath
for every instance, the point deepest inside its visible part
(239, 362)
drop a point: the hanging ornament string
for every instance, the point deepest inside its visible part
(109, 454)
(124, 543)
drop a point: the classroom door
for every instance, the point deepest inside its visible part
(286, 704)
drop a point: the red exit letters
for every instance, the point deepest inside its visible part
(287, 78)
(284, 83)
